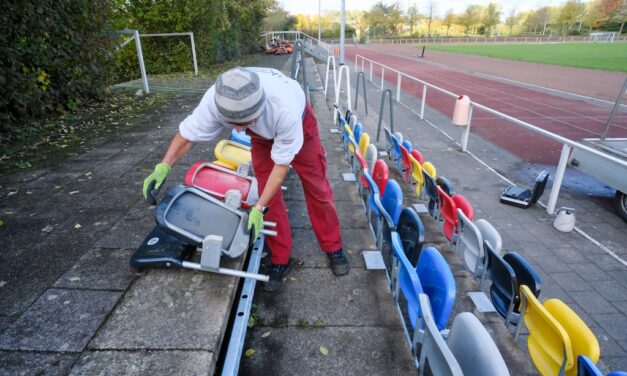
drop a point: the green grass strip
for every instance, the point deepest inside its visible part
(605, 56)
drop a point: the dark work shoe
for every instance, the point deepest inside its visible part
(339, 263)
(277, 274)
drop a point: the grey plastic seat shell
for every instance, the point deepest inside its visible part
(490, 234)
(473, 348)
(469, 244)
(435, 351)
(192, 214)
(371, 156)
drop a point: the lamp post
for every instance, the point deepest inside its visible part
(342, 27)
(319, 21)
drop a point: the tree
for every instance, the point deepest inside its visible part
(449, 20)
(277, 18)
(491, 17)
(431, 9)
(357, 20)
(470, 17)
(412, 18)
(570, 13)
(621, 16)
(384, 16)
(512, 20)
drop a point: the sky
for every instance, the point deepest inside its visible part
(458, 6)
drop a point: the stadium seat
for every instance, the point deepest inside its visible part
(525, 275)
(357, 131)
(217, 181)
(434, 351)
(586, 367)
(473, 348)
(431, 192)
(388, 142)
(375, 208)
(392, 202)
(407, 145)
(405, 280)
(418, 155)
(234, 154)
(240, 137)
(380, 175)
(412, 232)
(490, 234)
(503, 290)
(469, 244)
(364, 141)
(405, 165)
(438, 283)
(557, 336)
(416, 178)
(371, 156)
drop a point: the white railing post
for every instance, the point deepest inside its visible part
(343, 68)
(191, 36)
(466, 133)
(362, 64)
(382, 75)
(559, 175)
(140, 57)
(422, 103)
(398, 86)
(326, 76)
(356, 63)
(370, 70)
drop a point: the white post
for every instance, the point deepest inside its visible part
(464, 141)
(342, 28)
(382, 74)
(422, 103)
(326, 77)
(140, 57)
(370, 70)
(191, 35)
(355, 63)
(319, 25)
(559, 175)
(398, 87)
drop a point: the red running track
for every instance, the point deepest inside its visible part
(570, 118)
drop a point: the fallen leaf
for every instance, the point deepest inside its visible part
(1, 222)
(47, 229)
(264, 335)
(324, 351)
(52, 297)
(250, 352)
(3, 283)
(167, 299)
(67, 302)
(57, 186)
(74, 279)
(12, 193)
(73, 192)
(350, 251)
(78, 225)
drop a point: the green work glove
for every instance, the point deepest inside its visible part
(255, 221)
(154, 181)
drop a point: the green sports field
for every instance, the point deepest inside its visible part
(607, 56)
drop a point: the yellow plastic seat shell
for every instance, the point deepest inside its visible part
(225, 165)
(416, 173)
(364, 141)
(430, 169)
(348, 130)
(233, 153)
(582, 340)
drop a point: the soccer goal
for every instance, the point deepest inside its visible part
(602, 36)
(134, 35)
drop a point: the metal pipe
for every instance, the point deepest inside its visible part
(227, 271)
(191, 35)
(559, 175)
(619, 99)
(140, 57)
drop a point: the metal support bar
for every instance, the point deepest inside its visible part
(559, 175)
(464, 140)
(398, 87)
(299, 54)
(387, 91)
(140, 57)
(330, 59)
(422, 102)
(363, 79)
(614, 110)
(240, 325)
(191, 35)
(343, 68)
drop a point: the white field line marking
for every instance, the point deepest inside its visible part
(580, 231)
(547, 88)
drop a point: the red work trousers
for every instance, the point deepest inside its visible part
(310, 163)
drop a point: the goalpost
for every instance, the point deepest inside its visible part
(603, 36)
(136, 36)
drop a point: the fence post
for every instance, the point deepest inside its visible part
(559, 175)
(422, 103)
(398, 86)
(140, 57)
(191, 35)
(382, 75)
(370, 70)
(326, 76)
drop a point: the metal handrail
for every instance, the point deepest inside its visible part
(299, 51)
(387, 91)
(567, 143)
(363, 79)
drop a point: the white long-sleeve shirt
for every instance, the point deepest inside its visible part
(281, 119)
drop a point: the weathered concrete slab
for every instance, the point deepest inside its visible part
(311, 256)
(360, 298)
(14, 363)
(192, 305)
(144, 363)
(351, 215)
(100, 269)
(351, 351)
(61, 320)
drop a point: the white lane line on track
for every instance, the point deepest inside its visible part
(502, 177)
(547, 88)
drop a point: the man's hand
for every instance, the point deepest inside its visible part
(154, 182)
(255, 221)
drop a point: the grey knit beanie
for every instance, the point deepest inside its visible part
(239, 96)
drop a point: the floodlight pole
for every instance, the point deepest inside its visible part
(319, 22)
(342, 27)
